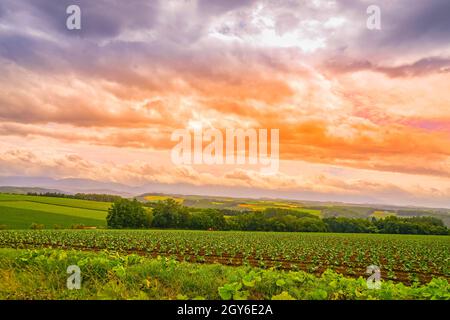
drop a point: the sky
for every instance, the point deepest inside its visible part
(362, 114)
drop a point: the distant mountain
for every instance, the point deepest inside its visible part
(215, 191)
(25, 190)
(70, 186)
(212, 196)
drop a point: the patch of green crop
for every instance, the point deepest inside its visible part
(398, 256)
(14, 218)
(41, 274)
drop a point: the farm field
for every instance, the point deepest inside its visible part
(231, 203)
(20, 218)
(401, 258)
(156, 198)
(190, 201)
(320, 209)
(20, 211)
(262, 205)
(41, 274)
(382, 214)
(188, 264)
(72, 203)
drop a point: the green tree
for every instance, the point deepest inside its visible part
(126, 213)
(170, 214)
(204, 219)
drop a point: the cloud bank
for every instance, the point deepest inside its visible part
(368, 110)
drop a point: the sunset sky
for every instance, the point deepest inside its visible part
(364, 115)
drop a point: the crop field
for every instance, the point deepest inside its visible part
(262, 205)
(156, 198)
(41, 274)
(20, 211)
(382, 214)
(187, 264)
(322, 210)
(73, 203)
(402, 258)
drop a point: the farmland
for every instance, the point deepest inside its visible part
(72, 203)
(41, 274)
(319, 209)
(188, 264)
(401, 258)
(20, 211)
(156, 198)
(66, 211)
(261, 205)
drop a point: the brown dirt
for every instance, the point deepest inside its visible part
(238, 260)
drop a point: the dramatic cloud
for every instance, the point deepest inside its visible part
(371, 103)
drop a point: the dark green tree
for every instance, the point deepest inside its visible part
(205, 219)
(170, 214)
(126, 213)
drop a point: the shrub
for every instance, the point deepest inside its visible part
(37, 226)
(77, 226)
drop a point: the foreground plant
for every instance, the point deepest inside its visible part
(41, 274)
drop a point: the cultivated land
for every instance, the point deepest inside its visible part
(404, 258)
(320, 209)
(98, 210)
(185, 264)
(20, 211)
(41, 274)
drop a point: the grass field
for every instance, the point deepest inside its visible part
(20, 211)
(72, 203)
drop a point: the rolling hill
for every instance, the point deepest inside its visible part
(321, 209)
(20, 211)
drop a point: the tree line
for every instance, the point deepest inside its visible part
(169, 214)
(80, 196)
